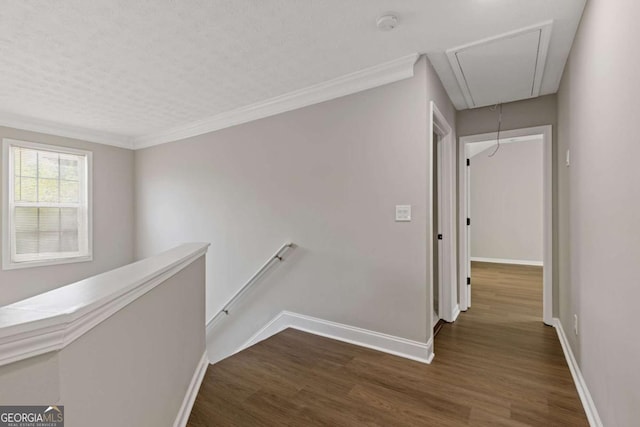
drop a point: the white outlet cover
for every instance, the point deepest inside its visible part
(403, 212)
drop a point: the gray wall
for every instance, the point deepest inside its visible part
(599, 107)
(515, 115)
(326, 177)
(506, 202)
(523, 114)
(112, 221)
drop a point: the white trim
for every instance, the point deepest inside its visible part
(378, 75)
(278, 324)
(541, 59)
(481, 147)
(581, 386)
(54, 319)
(51, 128)
(448, 294)
(547, 241)
(192, 392)
(402, 347)
(456, 312)
(508, 261)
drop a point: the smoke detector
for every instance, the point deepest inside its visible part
(387, 22)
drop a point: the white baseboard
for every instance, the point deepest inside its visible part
(581, 386)
(508, 261)
(192, 392)
(456, 312)
(275, 325)
(409, 349)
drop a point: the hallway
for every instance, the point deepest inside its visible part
(497, 365)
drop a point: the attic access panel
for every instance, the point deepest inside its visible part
(505, 68)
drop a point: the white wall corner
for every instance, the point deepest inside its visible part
(581, 386)
(402, 347)
(192, 392)
(368, 78)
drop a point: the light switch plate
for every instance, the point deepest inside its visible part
(403, 212)
(568, 159)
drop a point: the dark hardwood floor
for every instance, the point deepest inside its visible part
(497, 365)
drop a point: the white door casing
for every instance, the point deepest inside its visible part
(447, 210)
(464, 178)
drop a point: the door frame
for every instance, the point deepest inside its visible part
(448, 295)
(547, 238)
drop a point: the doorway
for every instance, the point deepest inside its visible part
(437, 214)
(470, 145)
(441, 231)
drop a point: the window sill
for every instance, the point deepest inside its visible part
(8, 265)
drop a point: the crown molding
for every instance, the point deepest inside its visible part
(378, 75)
(388, 72)
(44, 126)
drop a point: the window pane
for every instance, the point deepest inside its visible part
(46, 230)
(28, 189)
(28, 163)
(69, 167)
(48, 190)
(69, 241)
(26, 243)
(69, 192)
(16, 161)
(16, 188)
(48, 165)
(49, 219)
(69, 219)
(26, 219)
(48, 241)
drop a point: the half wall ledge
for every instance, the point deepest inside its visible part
(52, 320)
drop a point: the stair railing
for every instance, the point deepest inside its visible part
(276, 258)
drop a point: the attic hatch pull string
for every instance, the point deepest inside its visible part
(499, 107)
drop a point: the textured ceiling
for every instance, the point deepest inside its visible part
(136, 67)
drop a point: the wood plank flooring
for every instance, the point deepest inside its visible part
(498, 365)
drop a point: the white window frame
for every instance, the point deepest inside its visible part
(10, 260)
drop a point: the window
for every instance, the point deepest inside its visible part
(46, 216)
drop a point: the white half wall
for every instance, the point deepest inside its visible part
(507, 202)
(326, 177)
(131, 339)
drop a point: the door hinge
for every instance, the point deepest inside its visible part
(468, 162)
(468, 280)
(468, 221)
(439, 236)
